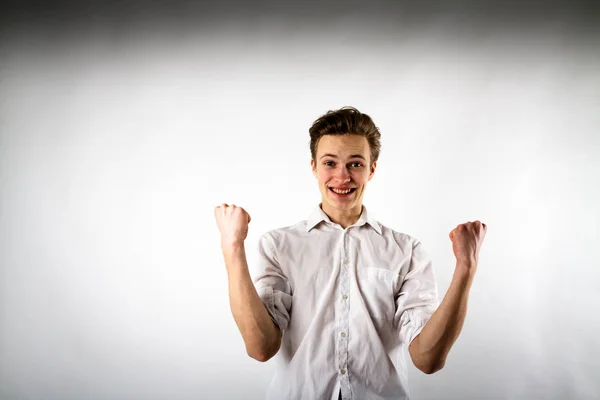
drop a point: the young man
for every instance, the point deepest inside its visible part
(339, 294)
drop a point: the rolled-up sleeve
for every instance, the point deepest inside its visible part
(418, 295)
(271, 284)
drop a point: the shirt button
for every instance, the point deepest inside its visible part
(345, 297)
(345, 262)
(343, 372)
(343, 334)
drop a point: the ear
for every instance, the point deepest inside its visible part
(373, 166)
(313, 166)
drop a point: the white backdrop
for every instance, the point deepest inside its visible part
(114, 152)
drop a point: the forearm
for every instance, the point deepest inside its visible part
(431, 347)
(261, 336)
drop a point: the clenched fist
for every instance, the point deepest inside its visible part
(233, 223)
(466, 241)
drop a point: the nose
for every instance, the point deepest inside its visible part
(343, 175)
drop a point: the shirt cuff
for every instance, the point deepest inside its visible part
(273, 307)
(417, 320)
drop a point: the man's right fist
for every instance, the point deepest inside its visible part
(232, 222)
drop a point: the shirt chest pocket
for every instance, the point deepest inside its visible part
(377, 288)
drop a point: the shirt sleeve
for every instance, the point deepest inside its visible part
(272, 285)
(418, 296)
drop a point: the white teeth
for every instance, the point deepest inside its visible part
(341, 191)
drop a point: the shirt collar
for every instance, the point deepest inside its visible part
(318, 215)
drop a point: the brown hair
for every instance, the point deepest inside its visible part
(346, 120)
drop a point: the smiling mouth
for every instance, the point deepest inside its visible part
(342, 191)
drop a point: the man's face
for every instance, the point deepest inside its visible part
(342, 169)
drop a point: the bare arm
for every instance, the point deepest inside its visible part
(430, 348)
(261, 335)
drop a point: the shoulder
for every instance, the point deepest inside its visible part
(401, 238)
(278, 235)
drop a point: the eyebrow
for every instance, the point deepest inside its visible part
(352, 156)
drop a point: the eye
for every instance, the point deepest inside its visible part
(329, 163)
(356, 164)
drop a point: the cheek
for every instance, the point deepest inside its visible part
(324, 177)
(360, 179)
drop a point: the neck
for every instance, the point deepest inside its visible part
(344, 218)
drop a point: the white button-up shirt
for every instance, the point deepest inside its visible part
(347, 302)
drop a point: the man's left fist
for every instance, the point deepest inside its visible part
(467, 239)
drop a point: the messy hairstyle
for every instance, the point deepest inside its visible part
(346, 120)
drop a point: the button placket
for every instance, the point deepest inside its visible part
(343, 328)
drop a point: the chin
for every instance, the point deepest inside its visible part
(342, 205)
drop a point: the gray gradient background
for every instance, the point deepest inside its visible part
(123, 124)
